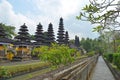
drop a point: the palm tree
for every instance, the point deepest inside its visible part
(9, 30)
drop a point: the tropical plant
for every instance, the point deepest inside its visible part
(57, 54)
(4, 72)
(12, 70)
(104, 13)
(91, 53)
(113, 58)
(116, 59)
(10, 30)
(91, 45)
(109, 57)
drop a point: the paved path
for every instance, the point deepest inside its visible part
(102, 72)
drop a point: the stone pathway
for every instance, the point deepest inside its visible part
(102, 72)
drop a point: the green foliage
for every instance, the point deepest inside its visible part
(4, 72)
(57, 54)
(113, 58)
(8, 71)
(86, 44)
(97, 13)
(78, 54)
(80, 16)
(91, 53)
(91, 45)
(38, 50)
(10, 30)
(90, 8)
(116, 59)
(109, 57)
(118, 49)
(97, 28)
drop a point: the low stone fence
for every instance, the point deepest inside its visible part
(79, 71)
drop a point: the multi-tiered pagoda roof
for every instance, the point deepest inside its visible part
(50, 34)
(61, 32)
(39, 38)
(23, 36)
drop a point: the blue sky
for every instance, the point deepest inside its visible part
(31, 12)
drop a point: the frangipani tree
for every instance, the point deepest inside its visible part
(104, 14)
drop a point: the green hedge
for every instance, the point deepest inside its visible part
(109, 57)
(9, 71)
(113, 58)
(57, 54)
(92, 53)
(116, 59)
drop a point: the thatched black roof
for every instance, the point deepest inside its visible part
(19, 43)
(6, 40)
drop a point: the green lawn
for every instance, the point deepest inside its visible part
(30, 75)
(15, 69)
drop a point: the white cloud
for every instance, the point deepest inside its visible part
(8, 16)
(70, 7)
(54, 9)
(58, 8)
(48, 11)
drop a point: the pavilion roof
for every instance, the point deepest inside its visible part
(5, 40)
(19, 43)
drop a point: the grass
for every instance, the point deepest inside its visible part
(15, 69)
(81, 57)
(31, 75)
(21, 68)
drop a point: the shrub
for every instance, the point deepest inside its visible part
(92, 53)
(4, 72)
(57, 54)
(113, 58)
(36, 51)
(78, 54)
(109, 57)
(116, 59)
(9, 71)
